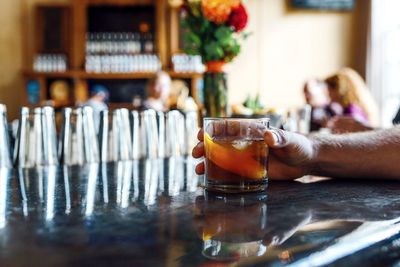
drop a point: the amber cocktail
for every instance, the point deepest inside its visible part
(235, 154)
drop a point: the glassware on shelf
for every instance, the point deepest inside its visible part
(187, 63)
(119, 43)
(50, 63)
(122, 63)
(120, 52)
(148, 43)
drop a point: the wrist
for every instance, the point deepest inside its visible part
(313, 168)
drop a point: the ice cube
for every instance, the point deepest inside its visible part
(241, 144)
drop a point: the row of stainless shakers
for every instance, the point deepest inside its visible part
(118, 136)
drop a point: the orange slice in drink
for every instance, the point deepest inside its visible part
(240, 162)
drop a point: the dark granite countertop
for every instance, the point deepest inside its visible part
(152, 213)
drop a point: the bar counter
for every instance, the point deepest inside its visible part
(153, 213)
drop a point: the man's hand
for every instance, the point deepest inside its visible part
(291, 155)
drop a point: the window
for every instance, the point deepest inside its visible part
(383, 70)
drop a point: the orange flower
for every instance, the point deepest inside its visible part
(218, 11)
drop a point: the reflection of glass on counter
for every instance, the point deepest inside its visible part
(150, 181)
(39, 190)
(67, 190)
(91, 188)
(50, 172)
(135, 196)
(232, 226)
(126, 183)
(104, 182)
(4, 177)
(122, 175)
(175, 175)
(24, 197)
(191, 177)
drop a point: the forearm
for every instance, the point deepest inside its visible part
(363, 155)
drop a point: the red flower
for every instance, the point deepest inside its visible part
(238, 18)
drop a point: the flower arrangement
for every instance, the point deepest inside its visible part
(214, 28)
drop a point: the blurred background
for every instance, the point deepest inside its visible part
(50, 51)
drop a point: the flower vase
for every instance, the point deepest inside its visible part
(215, 90)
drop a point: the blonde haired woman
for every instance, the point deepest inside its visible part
(348, 89)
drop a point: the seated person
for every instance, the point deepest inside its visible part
(345, 124)
(158, 89)
(179, 97)
(349, 90)
(316, 95)
(97, 101)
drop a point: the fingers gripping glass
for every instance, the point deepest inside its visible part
(235, 154)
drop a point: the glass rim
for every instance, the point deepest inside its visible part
(236, 119)
(236, 246)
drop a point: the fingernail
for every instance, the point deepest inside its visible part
(276, 137)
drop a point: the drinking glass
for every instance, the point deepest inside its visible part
(191, 129)
(5, 154)
(161, 134)
(299, 120)
(135, 124)
(115, 136)
(5, 194)
(304, 119)
(149, 134)
(235, 154)
(78, 142)
(175, 133)
(36, 143)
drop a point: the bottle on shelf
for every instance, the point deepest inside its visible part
(187, 63)
(148, 43)
(50, 63)
(120, 52)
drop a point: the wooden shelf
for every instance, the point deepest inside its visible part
(75, 25)
(121, 2)
(113, 105)
(107, 76)
(185, 75)
(83, 76)
(117, 76)
(37, 74)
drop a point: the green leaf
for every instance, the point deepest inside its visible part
(213, 51)
(223, 32)
(257, 103)
(193, 38)
(235, 49)
(224, 35)
(247, 101)
(204, 25)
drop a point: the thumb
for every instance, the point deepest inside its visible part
(276, 138)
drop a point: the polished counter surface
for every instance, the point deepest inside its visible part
(153, 213)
